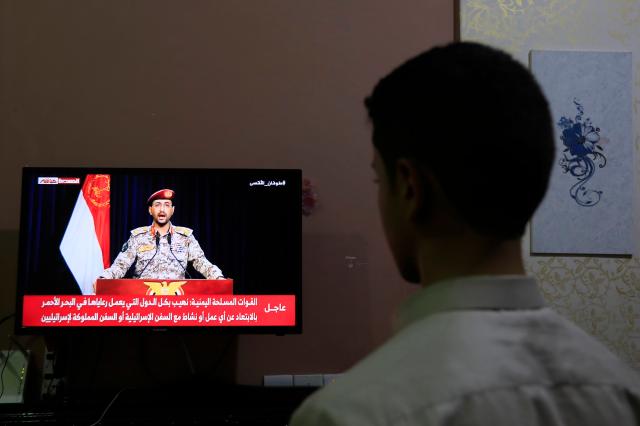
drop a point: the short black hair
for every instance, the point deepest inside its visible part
(478, 121)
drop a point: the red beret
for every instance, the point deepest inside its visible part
(163, 194)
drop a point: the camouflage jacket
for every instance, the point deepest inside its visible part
(141, 248)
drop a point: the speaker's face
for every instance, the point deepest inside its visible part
(161, 211)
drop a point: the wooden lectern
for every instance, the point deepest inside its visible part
(153, 287)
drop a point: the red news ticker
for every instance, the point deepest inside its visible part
(136, 311)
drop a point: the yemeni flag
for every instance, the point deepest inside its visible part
(85, 244)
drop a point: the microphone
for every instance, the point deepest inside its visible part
(154, 254)
(184, 268)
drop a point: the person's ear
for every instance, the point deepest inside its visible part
(150, 214)
(415, 187)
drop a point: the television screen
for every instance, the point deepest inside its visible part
(160, 249)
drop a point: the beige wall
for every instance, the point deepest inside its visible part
(223, 83)
(601, 294)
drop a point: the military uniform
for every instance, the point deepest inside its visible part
(141, 247)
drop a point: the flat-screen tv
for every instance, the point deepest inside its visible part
(160, 249)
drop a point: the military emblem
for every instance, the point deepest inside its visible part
(173, 288)
(99, 190)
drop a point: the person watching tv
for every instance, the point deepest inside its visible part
(463, 147)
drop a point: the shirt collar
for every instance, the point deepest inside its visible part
(152, 229)
(504, 292)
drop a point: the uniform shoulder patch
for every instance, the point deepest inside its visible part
(140, 230)
(182, 230)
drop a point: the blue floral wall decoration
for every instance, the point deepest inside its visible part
(582, 155)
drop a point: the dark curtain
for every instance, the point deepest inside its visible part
(45, 211)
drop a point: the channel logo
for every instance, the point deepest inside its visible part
(47, 181)
(69, 180)
(58, 180)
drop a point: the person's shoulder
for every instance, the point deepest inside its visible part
(335, 405)
(139, 231)
(183, 230)
(592, 362)
(379, 388)
(320, 410)
(439, 360)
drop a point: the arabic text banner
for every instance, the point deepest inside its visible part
(194, 310)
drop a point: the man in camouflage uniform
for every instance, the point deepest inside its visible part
(161, 251)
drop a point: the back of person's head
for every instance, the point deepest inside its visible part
(478, 122)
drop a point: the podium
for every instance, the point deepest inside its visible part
(157, 287)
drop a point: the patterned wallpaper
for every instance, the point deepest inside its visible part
(602, 295)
